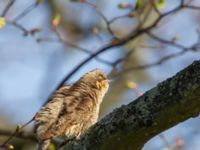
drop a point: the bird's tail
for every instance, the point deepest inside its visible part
(44, 145)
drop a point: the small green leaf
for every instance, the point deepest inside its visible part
(56, 20)
(2, 22)
(75, 0)
(38, 1)
(123, 5)
(18, 128)
(160, 4)
(52, 147)
(139, 4)
(176, 38)
(10, 147)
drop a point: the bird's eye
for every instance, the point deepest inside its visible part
(98, 84)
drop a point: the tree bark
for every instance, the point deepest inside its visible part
(131, 126)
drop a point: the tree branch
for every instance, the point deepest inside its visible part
(131, 126)
(23, 134)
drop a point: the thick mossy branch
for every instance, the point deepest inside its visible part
(131, 126)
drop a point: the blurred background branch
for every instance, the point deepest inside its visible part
(140, 42)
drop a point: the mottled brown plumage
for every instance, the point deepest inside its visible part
(72, 109)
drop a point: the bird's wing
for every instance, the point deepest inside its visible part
(50, 112)
(78, 115)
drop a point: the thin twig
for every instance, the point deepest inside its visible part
(65, 42)
(144, 19)
(26, 11)
(22, 134)
(149, 65)
(9, 5)
(108, 26)
(168, 42)
(119, 17)
(191, 7)
(183, 51)
(120, 60)
(20, 27)
(17, 131)
(152, 2)
(164, 139)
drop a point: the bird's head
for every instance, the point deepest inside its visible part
(96, 79)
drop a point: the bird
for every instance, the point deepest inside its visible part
(72, 110)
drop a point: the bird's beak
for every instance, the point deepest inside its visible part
(110, 80)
